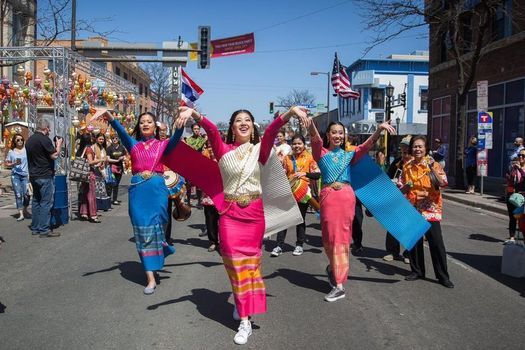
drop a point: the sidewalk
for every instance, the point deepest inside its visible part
(489, 202)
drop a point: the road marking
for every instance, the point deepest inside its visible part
(457, 262)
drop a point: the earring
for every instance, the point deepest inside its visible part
(253, 136)
(233, 137)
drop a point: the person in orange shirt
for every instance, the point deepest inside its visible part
(421, 181)
(299, 166)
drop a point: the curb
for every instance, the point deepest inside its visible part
(500, 209)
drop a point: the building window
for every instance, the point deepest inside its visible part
(145, 91)
(423, 94)
(117, 71)
(140, 108)
(141, 88)
(125, 75)
(134, 81)
(378, 98)
(441, 122)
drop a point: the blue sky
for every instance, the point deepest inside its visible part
(281, 61)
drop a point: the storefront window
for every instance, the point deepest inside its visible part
(514, 127)
(496, 95)
(514, 91)
(495, 166)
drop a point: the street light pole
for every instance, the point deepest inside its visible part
(327, 90)
(389, 94)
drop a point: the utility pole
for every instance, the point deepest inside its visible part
(73, 25)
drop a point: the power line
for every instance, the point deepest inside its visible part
(331, 46)
(301, 16)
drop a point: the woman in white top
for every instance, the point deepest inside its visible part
(17, 160)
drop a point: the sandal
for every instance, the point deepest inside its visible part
(95, 220)
(84, 218)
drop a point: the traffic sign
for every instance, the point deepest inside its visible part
(485, 122)
(482, 163)
(482, 95)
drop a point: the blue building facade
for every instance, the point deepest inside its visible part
(407, 73)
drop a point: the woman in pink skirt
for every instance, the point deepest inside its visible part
(241, 160)
(337, 198)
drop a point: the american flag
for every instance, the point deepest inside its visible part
(341, 82)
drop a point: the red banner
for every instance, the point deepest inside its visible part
(236, 45)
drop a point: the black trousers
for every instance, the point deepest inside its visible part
(471, 174)
(392, 245)
(114, 188)
(512, 219)
(437, 253)
(357, 225)
(167, 233)
(299, 229)
(211, 216)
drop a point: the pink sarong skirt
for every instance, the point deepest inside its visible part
(337, 214)
(241, 232)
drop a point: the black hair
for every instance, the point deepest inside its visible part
(85, 141)
(105, 144)
(300, 137)
(326, 142)
(192, 125)
(13, 142)
(414, 139)
(136, 130)
(229, 136)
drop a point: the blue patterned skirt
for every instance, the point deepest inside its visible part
(148, 210)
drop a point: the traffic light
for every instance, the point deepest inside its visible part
(204, 47)
(403, 99)
(271, 107)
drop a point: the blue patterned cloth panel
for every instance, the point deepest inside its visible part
(388, 205)
(332, 171)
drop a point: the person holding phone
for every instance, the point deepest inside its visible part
(17, 160)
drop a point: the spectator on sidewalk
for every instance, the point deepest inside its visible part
(17, 160)
(116, 155)
(518, 146)
(41, 155)
(471, 164)
(422, 180)
(515, 184)
(87, 200)
(440, 153)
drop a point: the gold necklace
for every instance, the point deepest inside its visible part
(240, 155)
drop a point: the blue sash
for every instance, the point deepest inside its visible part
(388, 205)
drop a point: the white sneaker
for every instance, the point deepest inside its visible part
(245, 330)
(388, 257)
(335, 294)
(235, 315)
(298, 251)
(276, 251)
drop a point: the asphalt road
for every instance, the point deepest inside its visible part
(83, 290)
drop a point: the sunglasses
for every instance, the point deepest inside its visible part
(19, 140)
(521, 155)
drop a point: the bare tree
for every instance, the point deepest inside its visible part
(462, 25)
(52, 22)
(296, 98)
(161, 89)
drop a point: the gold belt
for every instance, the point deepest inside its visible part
(243, 200)
(336, 185)
(147, 174)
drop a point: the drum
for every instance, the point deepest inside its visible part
(300, 190)
(174, 183)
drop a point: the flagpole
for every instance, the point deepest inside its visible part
(328, 97)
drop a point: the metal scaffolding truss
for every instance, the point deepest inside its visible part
(62, 62)
(65, 57)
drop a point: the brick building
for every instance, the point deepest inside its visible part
(502, 65)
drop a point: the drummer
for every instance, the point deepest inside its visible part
(299, 166)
